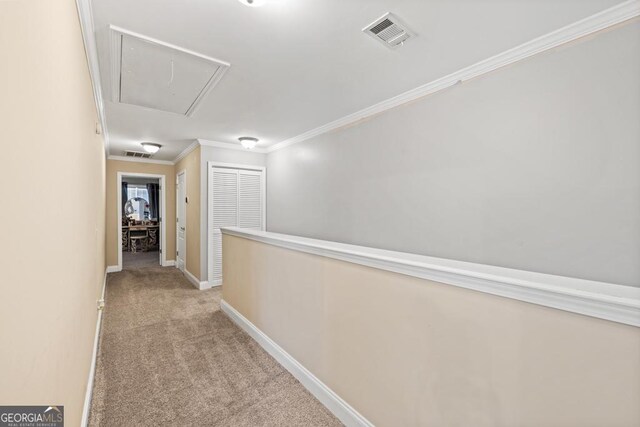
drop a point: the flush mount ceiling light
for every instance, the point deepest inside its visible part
(248, 142)
(150, 147)
(253, 3)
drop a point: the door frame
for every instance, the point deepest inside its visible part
(184, 257)
(210, 166)
(163, 223)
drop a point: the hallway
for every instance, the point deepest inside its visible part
(168, 355)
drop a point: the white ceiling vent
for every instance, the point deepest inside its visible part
(158, 75)
(389, 30)
(137, 154)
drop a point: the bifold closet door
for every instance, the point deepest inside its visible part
(237, 201)
(224, 191)
(250, 199)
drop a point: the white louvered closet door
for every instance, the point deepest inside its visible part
(237, 200)
(250, 199)
(225, 211)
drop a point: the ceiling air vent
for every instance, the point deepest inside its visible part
(389, 30)
(137, 154)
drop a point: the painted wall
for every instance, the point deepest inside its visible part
(410, 352)
(533, 167)
(222, 155)
(113, 204)
(53, 249)
(191, 164)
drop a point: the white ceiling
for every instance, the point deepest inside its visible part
(299, 64)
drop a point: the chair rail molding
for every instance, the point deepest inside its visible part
(585, 27)
(607, 301)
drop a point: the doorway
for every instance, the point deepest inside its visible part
(181, 220)
(141, 226)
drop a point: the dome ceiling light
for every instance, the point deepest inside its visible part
(150, 147)
(253, 3)
(248, 142)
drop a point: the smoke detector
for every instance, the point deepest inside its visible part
(389, 30)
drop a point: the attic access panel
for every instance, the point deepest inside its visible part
(153, 74)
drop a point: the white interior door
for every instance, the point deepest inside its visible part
(181, 225)
(237, 197)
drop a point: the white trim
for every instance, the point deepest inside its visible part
(116, 34)
(186, 151)
(140, 160)
(202, 285)
(334, 403)
(178, 201)
(244, 166)
(163, 211)
(86, 409)
(85, 14)
(230, 146)
(170, 263)
(585, 27)
(607, 301)
(210, 166)
(114, 268)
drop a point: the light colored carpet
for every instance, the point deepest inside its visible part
(132, 260)
(169, 356)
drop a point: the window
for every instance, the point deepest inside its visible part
(138, 205)
(138, 191)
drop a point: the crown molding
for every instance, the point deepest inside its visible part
(141, 160)
(85, 14)
(229, 146)
(602, 20)
(217, 144)
(186, 151)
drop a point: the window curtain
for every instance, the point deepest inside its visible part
(125, 197)
(152, 189)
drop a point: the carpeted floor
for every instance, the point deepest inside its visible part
(169, 356)
(132, 260)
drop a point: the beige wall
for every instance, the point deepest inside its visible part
(191, 164)
(410, 352)
(113, 204)
(52, 252)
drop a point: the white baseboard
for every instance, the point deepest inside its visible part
(341, 409)
(202, 285)
(113, 269)
(169, 263)
(94, 358)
